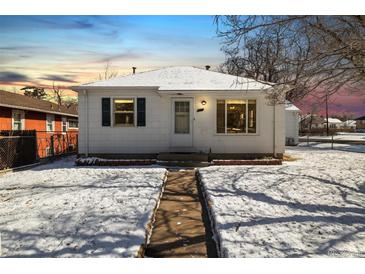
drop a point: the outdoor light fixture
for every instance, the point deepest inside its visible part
(203, 102)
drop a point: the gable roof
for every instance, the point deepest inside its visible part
(289, 106)
(333, 120)
(179, 78)
(19, 101)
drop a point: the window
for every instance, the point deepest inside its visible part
(73, 123)
(182, 117)
(236, 116)
(64, 124)
(124, 112)
(50, 122)
(18, 119)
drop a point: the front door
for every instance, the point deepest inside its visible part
(182, 122)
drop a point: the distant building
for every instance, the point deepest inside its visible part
(333, 123)
(360, 123)
(20, 112)
(312, 121)
(291, 124)
(349, 124)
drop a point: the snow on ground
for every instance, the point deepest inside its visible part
(311, 207)
(327, 146)
(348, 136)
(61, 210)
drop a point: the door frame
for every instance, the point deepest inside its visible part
(189, 137)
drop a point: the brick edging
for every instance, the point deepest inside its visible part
(207, 204)
(142, 248)
(114, 162)
(247, 162)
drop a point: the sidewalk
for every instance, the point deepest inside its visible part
(179, 229)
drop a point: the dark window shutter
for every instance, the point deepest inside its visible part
(105, 112)
(141, 112)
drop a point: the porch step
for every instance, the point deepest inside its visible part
(183, 157)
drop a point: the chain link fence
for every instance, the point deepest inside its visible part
(24, 147)
(17, 148)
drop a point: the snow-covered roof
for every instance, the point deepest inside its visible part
(333, 120)
(350, 123)
(179, 78)
(289, 106)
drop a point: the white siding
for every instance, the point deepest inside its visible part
(155, 137)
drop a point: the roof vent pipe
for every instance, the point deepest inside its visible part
(134, 70)
(207, 67)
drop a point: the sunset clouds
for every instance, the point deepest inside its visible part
(74, 49)
(70, 50)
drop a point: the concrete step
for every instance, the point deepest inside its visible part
(179, 164)
(182, 157)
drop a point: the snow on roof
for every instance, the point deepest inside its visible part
(333, 120)
(290, 106)
(180, 78)
(350, 122)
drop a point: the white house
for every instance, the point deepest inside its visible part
(333, 123)
(292, 120)
(351, 124)
(179, 109)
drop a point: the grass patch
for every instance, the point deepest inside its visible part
(289, 158)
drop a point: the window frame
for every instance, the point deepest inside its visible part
(134, 111)
(22, 119)
(225, 116)
(53, 122)
(64, 120)
(68, 123)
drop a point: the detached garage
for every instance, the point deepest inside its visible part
(291, 124)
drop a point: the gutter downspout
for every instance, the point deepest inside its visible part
(87, 122)
(274, 131)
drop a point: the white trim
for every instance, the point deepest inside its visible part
(134, 111)
(175, 136)
(53, 122)
(160, 91)
(22, 118)
(64, 120)
(37, 110)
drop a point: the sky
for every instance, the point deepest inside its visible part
(71, 50)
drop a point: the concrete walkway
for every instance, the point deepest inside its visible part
(180, 228)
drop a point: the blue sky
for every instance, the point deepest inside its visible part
(74, 49)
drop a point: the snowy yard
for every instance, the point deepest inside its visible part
(60, 210)
(311, 207)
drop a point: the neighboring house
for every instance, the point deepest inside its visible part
(291, 124)
(20, 112)
(312, 121)
(333, 123)
(179, 109)
(360, 123)
(349, 124)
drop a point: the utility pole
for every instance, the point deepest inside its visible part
(327, 129)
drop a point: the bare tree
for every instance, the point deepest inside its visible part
(309, 54)
(108, 73)
(57, 93)
(35, 92)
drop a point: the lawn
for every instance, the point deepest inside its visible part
(311, 207)
(61, 210)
